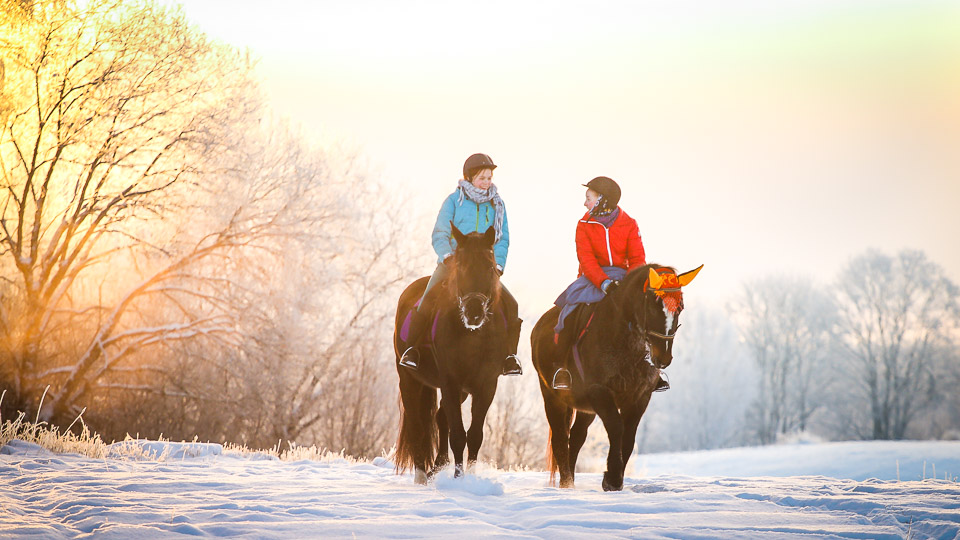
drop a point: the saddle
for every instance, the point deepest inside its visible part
(575, 325)
(434, 317)
(405, 328)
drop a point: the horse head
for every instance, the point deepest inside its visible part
(657, 315)
(474, 280)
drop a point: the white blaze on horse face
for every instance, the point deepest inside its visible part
(668, 316)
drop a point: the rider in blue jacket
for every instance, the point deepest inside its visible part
(474, 206)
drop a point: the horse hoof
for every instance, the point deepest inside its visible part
(609, 485)
(458, 471)
(420, 477)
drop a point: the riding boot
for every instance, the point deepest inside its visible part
(511, 364)
(418, 324)
(663, 384)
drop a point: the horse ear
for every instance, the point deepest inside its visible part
(686, 277)
(457, 235)
(655, 280)
(489, 236)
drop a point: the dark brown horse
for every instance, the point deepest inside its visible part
(615, 368)
(469, 342)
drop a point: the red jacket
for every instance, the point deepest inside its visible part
(597, 246)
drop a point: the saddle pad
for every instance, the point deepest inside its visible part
(405, 327)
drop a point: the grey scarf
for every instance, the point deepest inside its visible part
(480, 196)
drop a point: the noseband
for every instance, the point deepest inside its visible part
(485, 303)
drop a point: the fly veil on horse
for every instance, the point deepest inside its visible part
(614, 361)
(470, 338)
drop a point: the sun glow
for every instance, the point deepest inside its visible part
(747, 108)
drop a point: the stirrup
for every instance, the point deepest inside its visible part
(561, 379)
(511, 365)
(663, 384)
(410, 358)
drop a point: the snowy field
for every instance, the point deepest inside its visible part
(829, 490)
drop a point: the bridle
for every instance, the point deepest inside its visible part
(464, 299)
(645, 333)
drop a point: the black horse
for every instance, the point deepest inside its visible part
(614, 357)
(469, 342)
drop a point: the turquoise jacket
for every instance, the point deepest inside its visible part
(468, 217)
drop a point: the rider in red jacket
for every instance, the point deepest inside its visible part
(608, 246)
(606, 235)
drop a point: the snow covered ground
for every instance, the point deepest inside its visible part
(827, 490)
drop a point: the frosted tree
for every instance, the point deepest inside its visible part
(713, 382)
(516, 430)
(786, 325)
(898, 323)
(110, 110)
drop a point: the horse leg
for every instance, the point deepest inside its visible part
(558, 416)
(479, 406)
(450, 402)
(606, 407)
(578, 434)
(443, 442)
(631, 419)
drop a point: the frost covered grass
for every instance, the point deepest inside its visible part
(85, 443)
(89, 444)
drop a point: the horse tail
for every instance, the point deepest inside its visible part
(551, 463)
(418, 438)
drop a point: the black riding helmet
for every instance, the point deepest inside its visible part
(609, 195)
(477, 161)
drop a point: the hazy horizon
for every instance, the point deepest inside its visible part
(754, 138)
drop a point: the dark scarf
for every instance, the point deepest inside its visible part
(608, 219)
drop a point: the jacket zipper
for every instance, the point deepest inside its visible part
(606, 232)
(609, 252)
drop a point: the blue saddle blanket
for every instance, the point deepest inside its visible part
(583, 291)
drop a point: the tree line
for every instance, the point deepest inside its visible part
(872, 352)
(173, 260)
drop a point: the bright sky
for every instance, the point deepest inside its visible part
(756, 137)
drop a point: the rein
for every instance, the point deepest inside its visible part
(645, 333)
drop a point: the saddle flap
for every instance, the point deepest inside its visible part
(408, 322)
